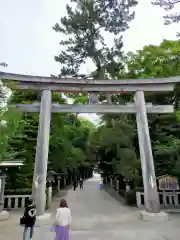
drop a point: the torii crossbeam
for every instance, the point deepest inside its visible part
(94, 108)
(89, 85)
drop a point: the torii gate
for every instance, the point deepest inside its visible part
(47, 85)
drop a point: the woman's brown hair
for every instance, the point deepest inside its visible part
(63, 203)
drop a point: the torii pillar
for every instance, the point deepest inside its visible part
(151, 196)
(42, 149)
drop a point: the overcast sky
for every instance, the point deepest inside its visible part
(28, 44)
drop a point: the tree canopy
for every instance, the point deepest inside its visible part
(10, 123)
(115, 143)
(169, 5)
(68, 142)
(85, 27)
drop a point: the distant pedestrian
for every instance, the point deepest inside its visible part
(81, 183)
(75, 184)
(29, 219)
(62, 221)
(101, 184)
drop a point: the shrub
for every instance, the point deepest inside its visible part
(131, 197)
(23, 191)
(122, 192)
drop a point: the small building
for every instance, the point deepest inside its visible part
(168, 183)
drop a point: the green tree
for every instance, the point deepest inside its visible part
(84, 27)
(112, 144)
(160, 61)
(115, 143)
(68, 143)
(24, 143)
(86, 24)
(10, 123)
(68, 138)
(169, 5)
(3, 64)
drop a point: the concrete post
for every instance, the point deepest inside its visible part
(42, 149)
(149, 179)
(117, 185)
(65, 181)
(50, 193)
(59, 185)
(111, 183)
(3, 182)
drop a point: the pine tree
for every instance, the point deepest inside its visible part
(3, 64)
(85, 26)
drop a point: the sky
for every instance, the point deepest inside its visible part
(28, 43)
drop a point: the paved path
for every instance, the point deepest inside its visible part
(98, 216)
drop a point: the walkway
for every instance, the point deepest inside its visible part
(98, 216)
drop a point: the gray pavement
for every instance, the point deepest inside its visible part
(98, 216)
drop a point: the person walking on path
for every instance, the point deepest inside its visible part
(81, 183)
(62, 221)
(101, 184)
(75, 184)
(29, 219)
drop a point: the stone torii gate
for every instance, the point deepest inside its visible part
(46, 85)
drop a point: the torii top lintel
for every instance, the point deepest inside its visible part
(90, 85)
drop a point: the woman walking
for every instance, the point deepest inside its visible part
(62, 221)
(101, 184)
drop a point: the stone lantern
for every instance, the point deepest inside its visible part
(50, 179)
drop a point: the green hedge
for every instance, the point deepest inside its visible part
(24, 191)
(131, 195)
(139, 189)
